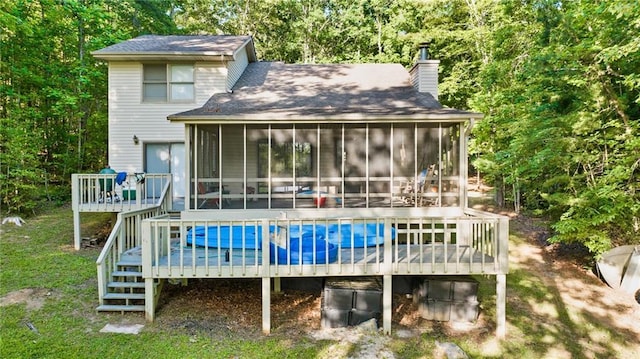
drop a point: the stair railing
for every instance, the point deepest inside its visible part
(125, 236)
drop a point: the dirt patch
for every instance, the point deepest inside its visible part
(232, 308)
(99, 235)
(34, 298)
(217, 308)
(577, 292)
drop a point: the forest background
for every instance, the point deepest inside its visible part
(558, 82)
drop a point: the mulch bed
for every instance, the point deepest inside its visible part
(224, 308)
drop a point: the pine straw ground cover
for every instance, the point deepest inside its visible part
(48, 294)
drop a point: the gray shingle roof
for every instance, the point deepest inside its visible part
(210, 45)
(275, 91)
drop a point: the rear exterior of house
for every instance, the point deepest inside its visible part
(285, 171)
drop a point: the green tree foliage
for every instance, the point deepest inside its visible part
(311, 31)
(53, 107)
(561, 135)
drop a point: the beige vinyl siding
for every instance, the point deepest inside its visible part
(415, 78)
(129, 115)
(236, 68)
(210, 79)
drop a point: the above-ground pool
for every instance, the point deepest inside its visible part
(312, 250)
(226, 237)
(288, 250)
(363, 235)
(344, 234)
(324, 241)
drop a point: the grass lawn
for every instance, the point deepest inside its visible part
(48, 295)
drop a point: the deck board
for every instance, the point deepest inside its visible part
(250, 261)
(120, 206)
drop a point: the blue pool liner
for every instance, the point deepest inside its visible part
(229, 237)
(363, 235)
(250, 237)
(311, 251)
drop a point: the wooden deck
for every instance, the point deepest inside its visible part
(413, 241)
(88, 194)
(469, 242)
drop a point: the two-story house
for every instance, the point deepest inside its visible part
(152, 77)
(282, 170)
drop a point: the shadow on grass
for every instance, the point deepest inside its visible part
(542, 324)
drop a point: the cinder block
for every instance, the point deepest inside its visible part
(368, 300)
(439, 289)
(337, 298)
(361, 316)
(351, 301)
(465, 290)
(438, 310)
(445, 310)
(466, 311)
(335, 318)
(432, 289)
(446, 288)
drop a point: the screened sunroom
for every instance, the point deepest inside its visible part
(344, 165)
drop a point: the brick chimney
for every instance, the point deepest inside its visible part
(424, 73)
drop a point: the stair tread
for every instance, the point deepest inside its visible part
(129, 262)
(119, 308)
(126, 284)
(123, 296)
(125, 273)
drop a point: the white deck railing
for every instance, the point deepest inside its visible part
(126, 235)
(471, 243)
(101, 193)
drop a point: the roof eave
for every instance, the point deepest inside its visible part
(164, 56)
(249, 47)
(324, 118)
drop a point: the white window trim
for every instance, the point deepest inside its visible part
(168, 84)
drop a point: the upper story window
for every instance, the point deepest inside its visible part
(168, 83)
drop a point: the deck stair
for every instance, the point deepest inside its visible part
(126, 287)
(125, 290)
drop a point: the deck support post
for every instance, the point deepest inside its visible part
(76, 229)
(149, 299)
(75, 202)
(266, 305)
(266, 279)
(387, 305)
(501, 305)
(387, 279)
(502, 258)
(147, 273)
(277, 287)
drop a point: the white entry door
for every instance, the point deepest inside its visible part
(167, 158)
